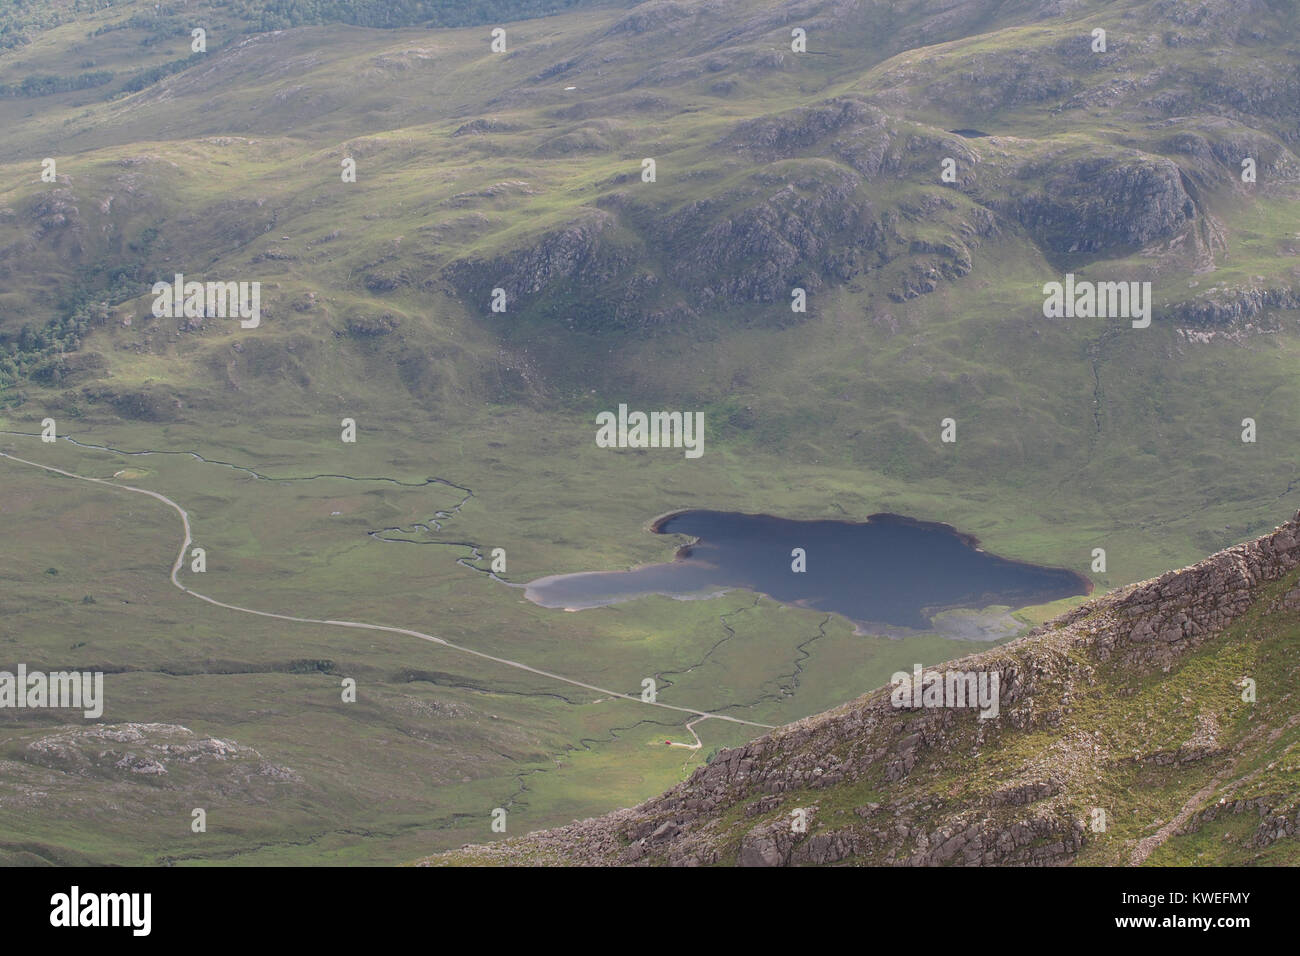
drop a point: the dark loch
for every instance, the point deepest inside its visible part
(888, 569)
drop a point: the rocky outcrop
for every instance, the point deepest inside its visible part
(1103, 204)
(143, 749)
(1278, 819)
(1152, 623)
(802, 131)
(370, 326)
(1229, 307)
(804, 231)
(810, 225)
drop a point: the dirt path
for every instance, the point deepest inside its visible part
(180, 561)
(1147, 845)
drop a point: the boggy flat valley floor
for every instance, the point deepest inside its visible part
(436, 739)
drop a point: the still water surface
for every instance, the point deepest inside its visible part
(888, 569)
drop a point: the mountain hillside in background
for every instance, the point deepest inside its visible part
(776, 171)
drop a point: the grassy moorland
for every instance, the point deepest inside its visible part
(523, 170)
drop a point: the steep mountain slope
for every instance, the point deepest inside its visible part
(1136, 704)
